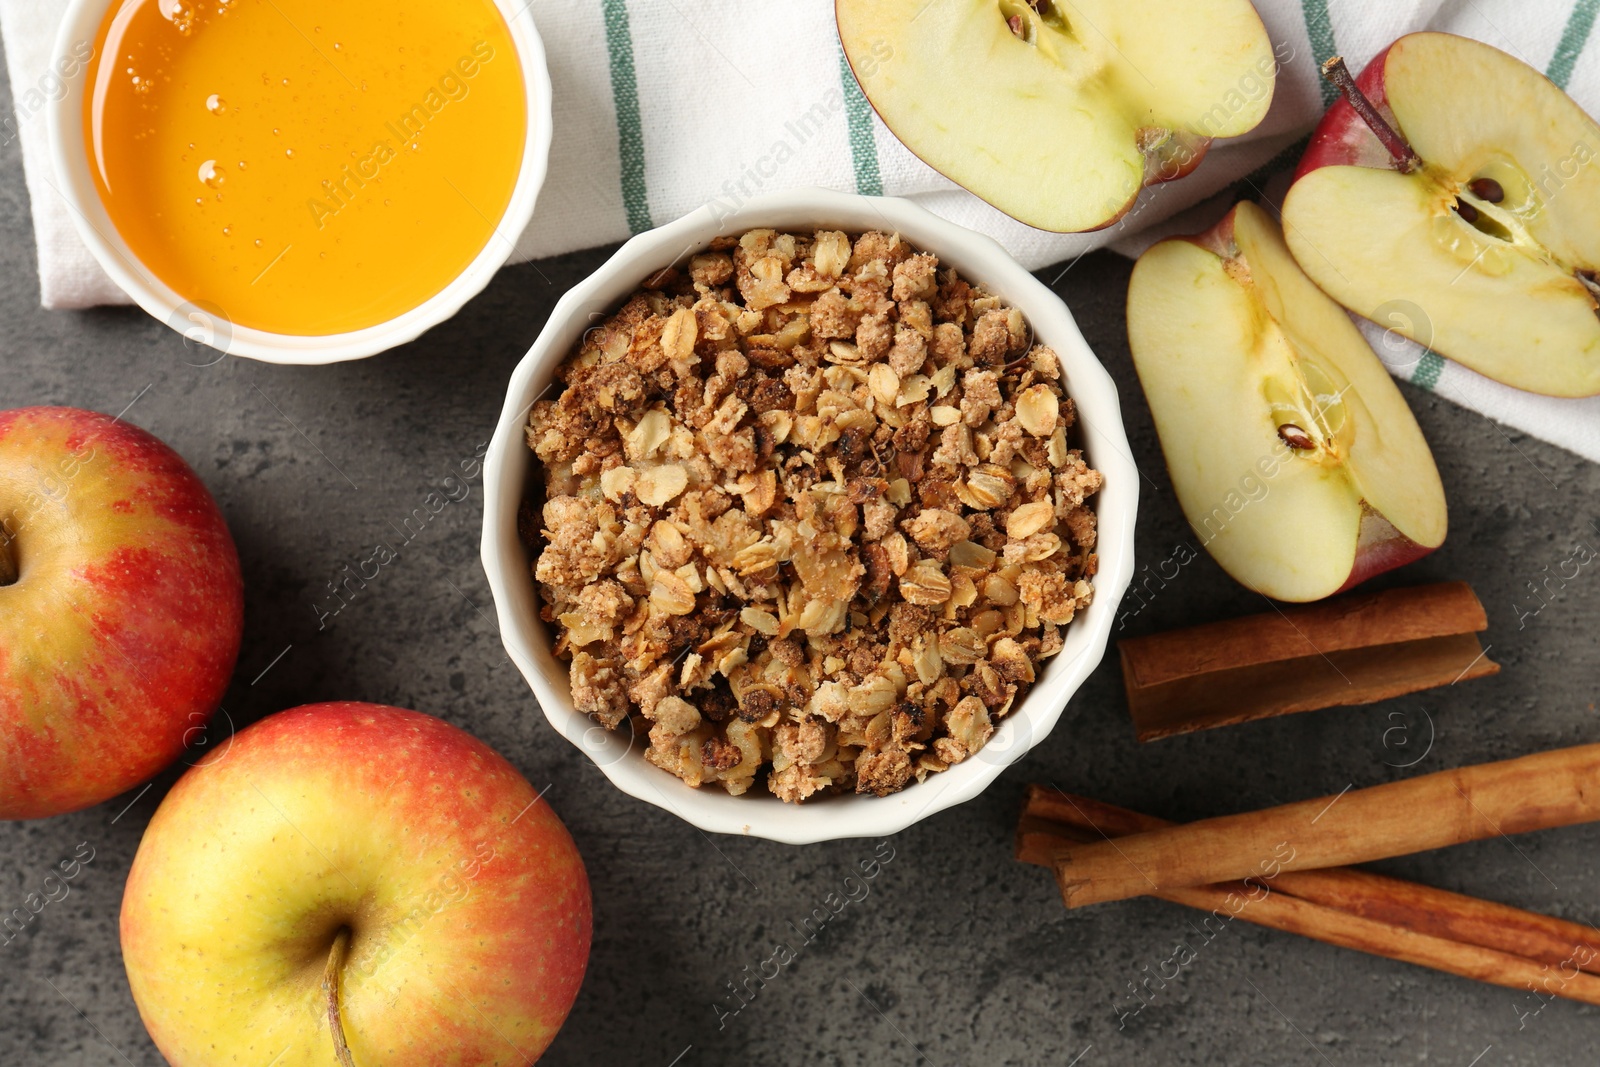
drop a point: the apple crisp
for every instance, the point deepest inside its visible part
(810, 514)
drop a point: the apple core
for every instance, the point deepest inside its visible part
(1031, 24)
(1308, 408)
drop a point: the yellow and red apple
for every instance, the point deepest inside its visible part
(1294, 456)
(121, 608)
(1462, 182)
(361, 876)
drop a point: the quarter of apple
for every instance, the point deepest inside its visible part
(1294, 456)
(1484, 215)
(1059, 113)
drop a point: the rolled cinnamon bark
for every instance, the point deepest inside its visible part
(1544, 939)
(1538, 792)
(1354, 649)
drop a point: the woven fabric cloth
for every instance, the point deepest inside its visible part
(663, 105)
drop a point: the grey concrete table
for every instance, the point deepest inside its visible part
(958, 955)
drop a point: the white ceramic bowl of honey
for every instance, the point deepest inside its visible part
(296, 181)
(510, 467)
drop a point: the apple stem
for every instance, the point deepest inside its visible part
(8, 558)
(330, 989)
(1405, 157)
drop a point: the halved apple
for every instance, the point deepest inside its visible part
(1483, 211)
(1294, 456)
(1059, 112)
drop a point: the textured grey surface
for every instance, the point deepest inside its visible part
(958, 955)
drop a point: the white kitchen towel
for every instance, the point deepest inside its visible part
(663, 105)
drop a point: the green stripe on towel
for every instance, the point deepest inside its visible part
(630, 132)
(1429, 367)
(1573, 40)
(863, 146)
(1319, 28)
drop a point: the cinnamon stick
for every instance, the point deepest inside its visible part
(1335, 927)
(1351, 650)
(1395, 902)
(1538, 792)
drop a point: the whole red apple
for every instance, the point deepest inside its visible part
(121, 608)
(359, 878)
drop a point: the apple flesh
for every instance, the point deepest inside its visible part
(121, 608)
(457, 900)
(1293, 454)
(1489, 241)
(1057, 113)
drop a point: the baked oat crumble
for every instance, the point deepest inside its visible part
(810, 514)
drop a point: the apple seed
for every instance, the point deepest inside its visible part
(1487, 190)
(1015, 22)
(1405, 157)
(1296, 438)
(1466, 211)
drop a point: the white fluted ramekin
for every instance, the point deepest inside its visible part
(510, 466)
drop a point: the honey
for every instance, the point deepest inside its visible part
(306, 166)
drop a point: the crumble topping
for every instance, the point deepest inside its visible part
(810, 515)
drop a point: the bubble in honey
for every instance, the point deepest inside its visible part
(227, 230)
(289, 152)
(209, 174)
(258, 242)
(215, 104)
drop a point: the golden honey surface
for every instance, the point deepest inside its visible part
(306, 166)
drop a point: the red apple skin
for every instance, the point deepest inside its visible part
(121, 631)
(1219, 239)
(1342, 138)
(512, 956)
(1395, 549)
